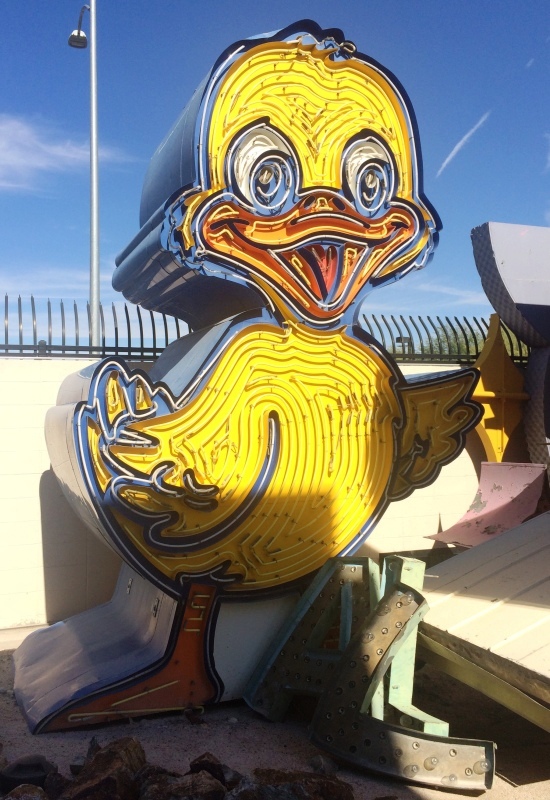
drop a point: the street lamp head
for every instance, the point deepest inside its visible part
(78, 39)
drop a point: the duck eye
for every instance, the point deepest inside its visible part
(270, 182)
(368, 175)
(263, 170)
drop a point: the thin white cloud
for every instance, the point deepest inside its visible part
(530, 63)
(465, 139)
(456, 296)
(30, 149)
(47, 280)
(547, 137)
(426, 298)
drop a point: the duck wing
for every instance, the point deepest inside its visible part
(438, 412)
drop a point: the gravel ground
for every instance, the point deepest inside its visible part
(243, 740)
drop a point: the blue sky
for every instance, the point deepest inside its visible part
(477, 73)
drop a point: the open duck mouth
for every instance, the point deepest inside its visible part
(319, 257)
(327, 254)
(323, 267)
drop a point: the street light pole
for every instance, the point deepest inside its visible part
(94, 186)
(78, 39)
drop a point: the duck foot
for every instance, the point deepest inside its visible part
(141, 653)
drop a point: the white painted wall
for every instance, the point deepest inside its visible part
(51, 566)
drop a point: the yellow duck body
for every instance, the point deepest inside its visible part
(306, 422)
(286, 455)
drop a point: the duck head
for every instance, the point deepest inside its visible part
(304, 183)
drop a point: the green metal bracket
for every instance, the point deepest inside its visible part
(410, 571)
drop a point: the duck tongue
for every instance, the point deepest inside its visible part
(326, 259)
(319, 265)
(324, 267)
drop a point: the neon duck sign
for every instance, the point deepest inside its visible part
(273, 436)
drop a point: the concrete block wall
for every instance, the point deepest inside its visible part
(407, 523)
(52, 567)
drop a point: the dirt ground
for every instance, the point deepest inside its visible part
(244, 740)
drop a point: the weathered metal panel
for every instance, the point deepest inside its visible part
(81, 655)
(507, 495)
(536, 419)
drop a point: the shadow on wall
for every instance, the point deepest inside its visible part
(80, 570)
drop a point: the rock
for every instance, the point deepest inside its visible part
(194, 715)
(117, 784)
(31, 770)
(151, 773)
(127, 752)
(193, 786)
(231, 778)
(151, 776)
(307, 785)
(77, 765)
(55, 784)
(280, 785)
(27, 791)
(110, 774)
(208, 762)
(323, 765)
(93, 748)
(250, 790)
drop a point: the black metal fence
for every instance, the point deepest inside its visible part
(45, 329)
(438, 339)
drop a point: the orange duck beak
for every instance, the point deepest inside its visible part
(322, 251)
